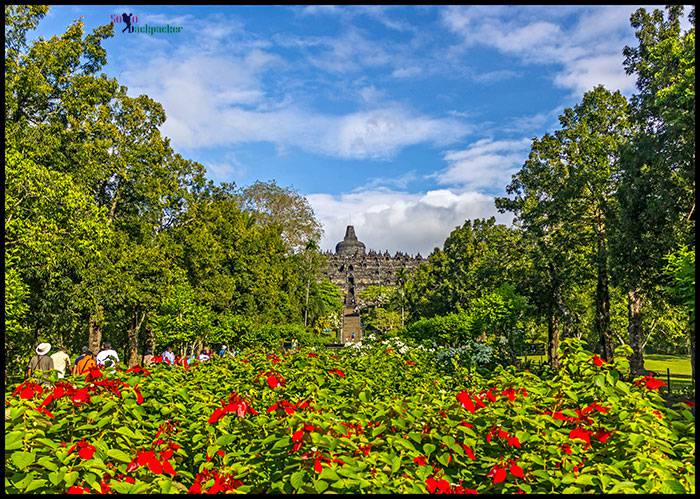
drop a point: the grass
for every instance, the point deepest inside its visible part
(677, 364)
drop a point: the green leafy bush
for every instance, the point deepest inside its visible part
(376, 419)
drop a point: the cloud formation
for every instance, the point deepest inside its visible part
(400, 221)
(484, 163)
(589, 52)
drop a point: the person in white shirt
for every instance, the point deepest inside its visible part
(203, 356)
(168, 355)
(107, 357)
(61, 360)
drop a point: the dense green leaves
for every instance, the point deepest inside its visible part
(322, 432)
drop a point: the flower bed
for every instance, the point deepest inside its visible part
(371, 421)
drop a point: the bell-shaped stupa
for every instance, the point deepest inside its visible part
(350, 246)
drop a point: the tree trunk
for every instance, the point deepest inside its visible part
(602, 301)
(634, 332)
(95, 330)
(553, 335)
(306, 303)
(133, 334)
(150, 341)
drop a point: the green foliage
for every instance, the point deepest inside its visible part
(681, 269)
(359, 433)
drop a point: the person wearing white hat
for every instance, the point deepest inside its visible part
(41, 361)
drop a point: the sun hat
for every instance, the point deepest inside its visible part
(43, 348)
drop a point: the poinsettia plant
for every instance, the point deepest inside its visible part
(351, 421)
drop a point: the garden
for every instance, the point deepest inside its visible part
(375, 419)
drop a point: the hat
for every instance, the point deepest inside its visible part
(85, 349)
(43, 348)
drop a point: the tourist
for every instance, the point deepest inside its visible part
(61, 361)
(40, 361)
(222, 351)
(203, 356)
(168, 355)
(107, 357)
(147, 357)
(83, 353)
(85, 363)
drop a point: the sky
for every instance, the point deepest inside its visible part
(403, 121)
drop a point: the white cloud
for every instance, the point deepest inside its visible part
(589, 52)
(485, 163)
(215, 100)
(400, 221)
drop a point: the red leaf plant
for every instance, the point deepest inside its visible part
(597, 360)
(337, 372)
(28, 390)
(236, 405)
(85, 450)
(222, 483)
(650, 382)
(287, 407)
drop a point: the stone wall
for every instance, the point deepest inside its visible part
(362, 270)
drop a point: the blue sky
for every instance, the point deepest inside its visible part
(405, 120)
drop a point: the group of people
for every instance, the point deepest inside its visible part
(60, 361)
(105, 358)
(168, 355)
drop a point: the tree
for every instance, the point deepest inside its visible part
(552, 235)
(656, 199)
(681, 269)
(283, 207)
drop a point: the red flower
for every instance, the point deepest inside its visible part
(318, 467)
(420, 460)
(168, 468)
(469, 452)
(465, 424)
(94, 373)
(442, 485)
(337, 372)
(510, 393)
(217, 415)
(313, 355)
(139, 397)
(650, 382)
(581, 434)
(76, 489)
(410, 363)
(597, 360)
(465, 399)
(86, 452)
(689, 403)
(603, 435)
(81, 397)
(104, 487)
(272, 382)
(566, 448)
(491, 396)
(297, 436)
(497, 474)
(28, 389)
(44, 411)
(514, 442)
(516, 471)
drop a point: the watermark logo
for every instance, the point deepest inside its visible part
(130, 20)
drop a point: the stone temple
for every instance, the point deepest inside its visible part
(353, 268)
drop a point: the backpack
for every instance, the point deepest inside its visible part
(84, 365)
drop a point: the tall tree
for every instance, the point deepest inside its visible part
(285, 208)
(656, 198)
